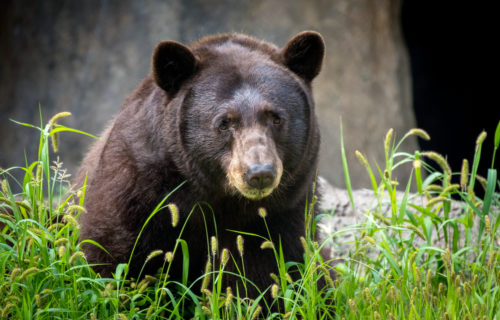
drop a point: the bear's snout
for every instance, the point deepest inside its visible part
(255, 168)
(260, 176)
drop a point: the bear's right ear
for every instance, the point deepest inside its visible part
(304, 54)
(173, 63)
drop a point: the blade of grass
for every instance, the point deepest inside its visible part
(346, 169)
(488, 197)
(477, 157)
(404, 201)
(496, 144)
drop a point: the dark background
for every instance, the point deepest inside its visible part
(454, 69)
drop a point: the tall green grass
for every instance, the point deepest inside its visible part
(388, 274)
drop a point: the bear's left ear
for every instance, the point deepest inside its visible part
(304, 53)
(173, 63)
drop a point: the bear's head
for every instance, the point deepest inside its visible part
(244, 110)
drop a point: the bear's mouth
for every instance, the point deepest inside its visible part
(256, 194)
(252, 187)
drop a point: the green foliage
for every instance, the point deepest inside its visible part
(417, 262)
(421, 263)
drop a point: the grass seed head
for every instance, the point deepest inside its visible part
(418, 232)
(142, 286)
(267, 245)
(370, 240)
(491, 259)
(58, 116)
(413, 296)
(206, 310)
(262, 212)
(28, 272)
(487, 225)
(366, 294)
(440, 160)
(71, 220)
(174, 213)
(122, 316)
(55, 142)
(5, 310)
(428, 278)
(75, 209)
(305, 246)
(47, 291)
(5, 188)
(464, 175)
(361, 158)
(274, 290)
(169, 256)
(75, 256)
(435, 201)
(457, 281)
(421, 133)
(224, 257)
(150, 311)
(207, 293)
(416, 273)
(38, 300)
(239, 244)
(274, 277)
(214, 245)
(39, 173)
(154, 254)
(229, 297)
(450, 189)
(257, 312)
(475, 309)
(352, 305)
(206, 279)
(480, 139)
(61, 241)
(441, 289)
(387, 141)
(14, 273)
(61, 251)
(482, 181)
(467, 288)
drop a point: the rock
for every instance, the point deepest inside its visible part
(340, 227)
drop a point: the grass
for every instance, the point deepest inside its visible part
(394, 269)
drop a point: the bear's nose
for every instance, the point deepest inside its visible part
(260, 176)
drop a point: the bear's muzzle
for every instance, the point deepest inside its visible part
(255, 168)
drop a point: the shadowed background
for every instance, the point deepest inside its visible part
(87, 56)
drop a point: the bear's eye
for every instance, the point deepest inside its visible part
(276, 119)
(224, 125)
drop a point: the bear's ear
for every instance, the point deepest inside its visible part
(173, 63)
(304, 53)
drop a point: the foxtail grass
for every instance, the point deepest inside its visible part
(412, 257)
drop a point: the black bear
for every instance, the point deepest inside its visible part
(230, 120)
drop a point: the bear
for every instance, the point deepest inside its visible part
(226, 127)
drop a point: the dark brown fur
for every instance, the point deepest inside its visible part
(167, 133)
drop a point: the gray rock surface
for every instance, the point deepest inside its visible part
(339, 228)
(86, 56)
